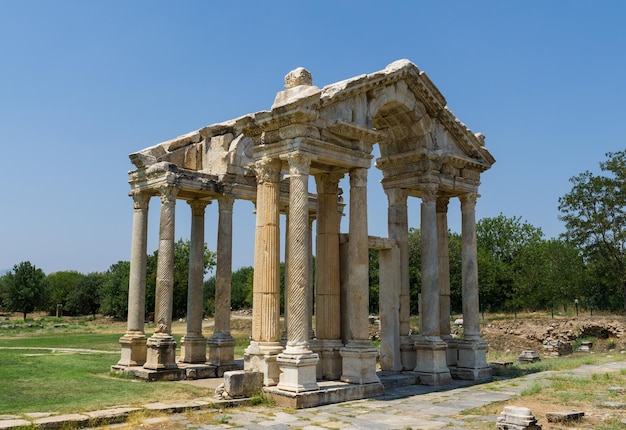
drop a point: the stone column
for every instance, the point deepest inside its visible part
(359, 357)
(327, 273)
(398, 228)
(265, 343)
(193, 344)
(444, 279)
(431, 350)
(134, 341)
(162, 345)
(297, 362)
(222, 344)
(472, 350)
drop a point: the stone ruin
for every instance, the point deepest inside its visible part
(267, 158)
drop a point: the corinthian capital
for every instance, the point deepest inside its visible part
(168, 194)
(140, 201)
(429, 192)
(299, 163)
(396, 196)
(468, 201)
(358, 177)
(198, 206)
(267, 170)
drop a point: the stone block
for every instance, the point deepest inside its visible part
(517, 418)
(528, 357)
(564, 416)
(242, 383)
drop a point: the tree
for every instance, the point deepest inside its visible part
(60, 285)
(84, 299)
(114, 290)
(594, 212)
(26, 288)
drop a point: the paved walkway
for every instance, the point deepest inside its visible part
(416, 407)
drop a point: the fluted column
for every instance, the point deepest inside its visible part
(162, 345)
(471, 324)
(193, 344)
(472, 350)
(359, 365)
(222, 344)
(297, 362)
(431, 362)
(264, 345)
(133, 343)
(327, 279)
(398, 228)
(430, 263)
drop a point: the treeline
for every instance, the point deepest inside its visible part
(518, 268)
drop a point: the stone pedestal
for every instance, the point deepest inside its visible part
(193, 349)
(221, 354)
(261, 357)
(359, 364)
(472, 360)
(451, 353)
(330, 359)
(133, 350)
(161, 352)
(407, 352)
(298, 372)
(431, 364)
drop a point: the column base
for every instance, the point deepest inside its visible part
(193, 349)
(431, 365)
(407, 352)
(359, 363)
(221, 350)
(330, 359)
(133, 349)
(261, 357)
(316, 347)
(298, 372)
(161, 352)
(451, 353)
(472, 360)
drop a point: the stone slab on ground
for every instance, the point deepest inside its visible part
(13, 423)
(109, 416)
(62, 421)
(564, 416)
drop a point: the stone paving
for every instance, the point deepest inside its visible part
(414, 407)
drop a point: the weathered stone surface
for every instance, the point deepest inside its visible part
(517, 418)
(241, 383)
(564, 416)
(13, 423)
(528, 357)
(62, 421)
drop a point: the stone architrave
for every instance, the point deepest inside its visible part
(265, 342)
(222, 344)
(134, 341)
(358, 356)
(398, 227)
(472, 350)
(327, 272)
(161, 354)
(430, 349)
(444, 279)
(297, 362)
(193, 344)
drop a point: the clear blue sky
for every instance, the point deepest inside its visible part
(85, 83)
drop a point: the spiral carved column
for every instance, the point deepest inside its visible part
(134, 341)
(297, 363)
(162, 345)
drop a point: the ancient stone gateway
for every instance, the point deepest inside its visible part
(267, 158)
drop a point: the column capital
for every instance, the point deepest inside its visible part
(442, 204)
(299, 163)
(225, 203)
(140, 200)
(468, 201)
(168, 193)
(358, 177)
(267, 170)
(198, 206)
(429, 192)
(328, 182)
(396, 196)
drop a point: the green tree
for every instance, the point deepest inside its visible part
(415, 268)
(84, 299)
(26, 288)
(594, 212)
(505, 255)
(60, 285)
(374, 281)
(114, 290)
